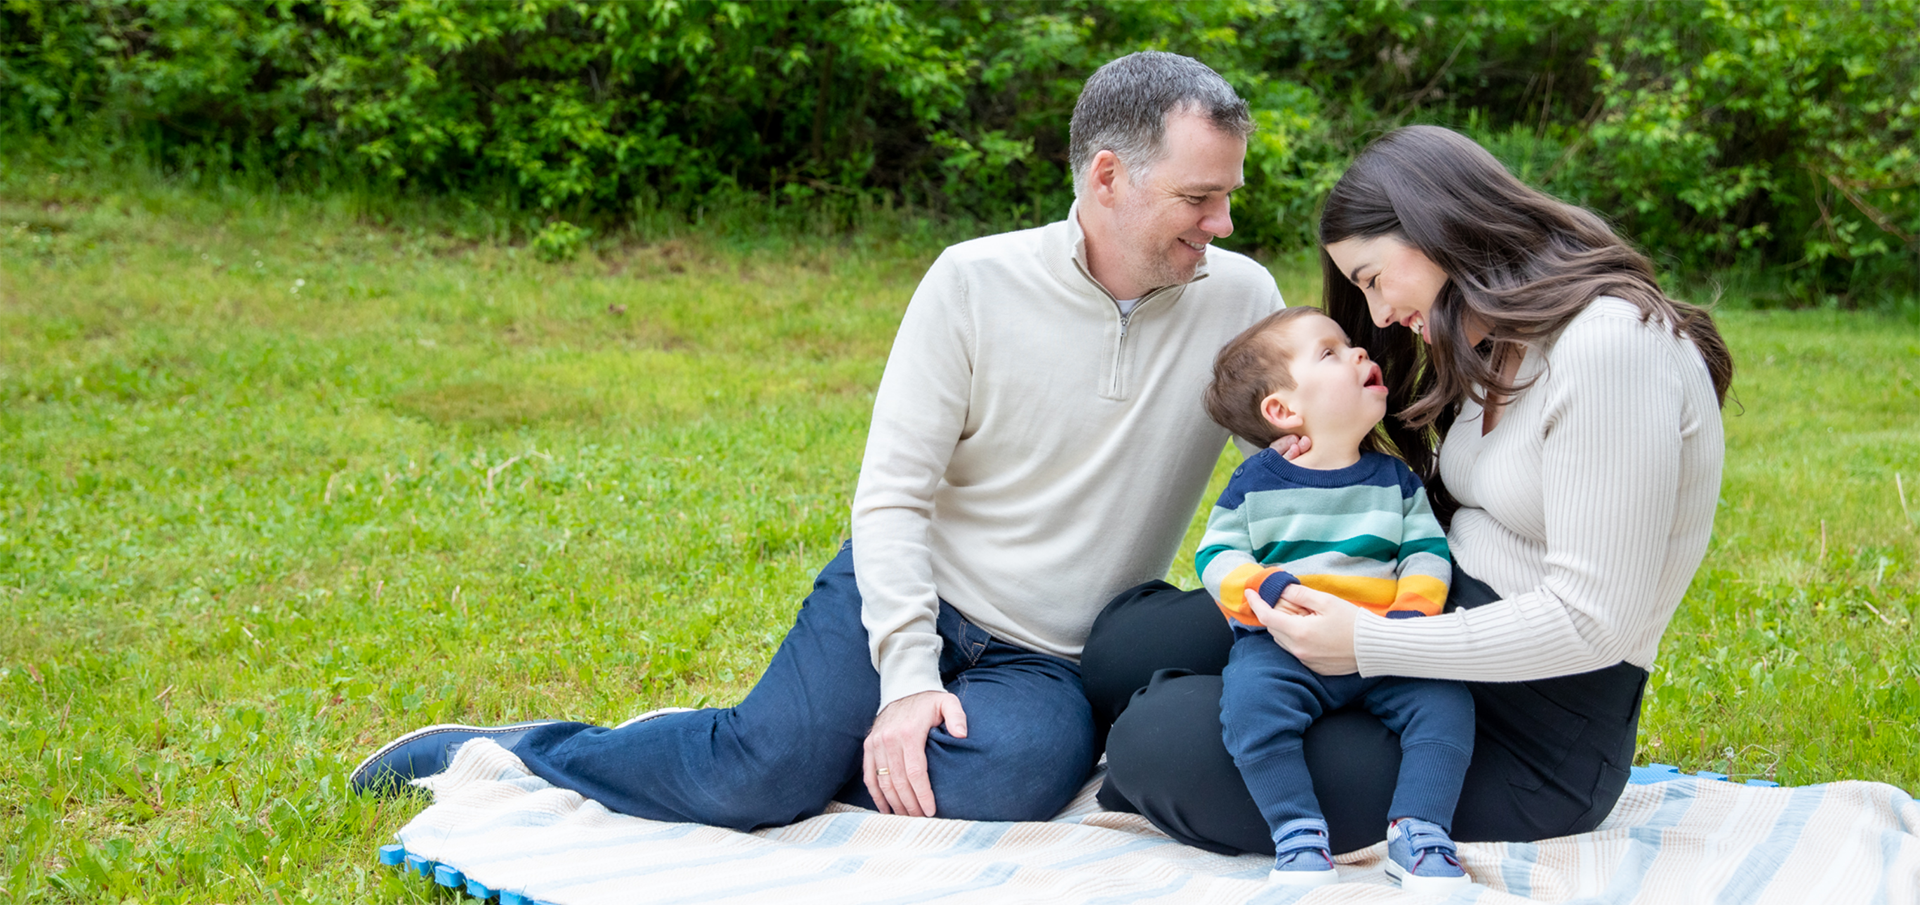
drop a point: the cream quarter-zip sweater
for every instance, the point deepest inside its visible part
(1587, 507)
(1033, 452)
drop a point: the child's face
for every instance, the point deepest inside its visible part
(1338, 392)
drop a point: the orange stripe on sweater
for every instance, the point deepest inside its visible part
(1233, 592)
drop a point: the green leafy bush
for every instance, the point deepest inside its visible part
(1769, 135)
(559, 241)
(1783, 134)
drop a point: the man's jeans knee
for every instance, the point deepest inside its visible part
(776, 757)
(796, 740)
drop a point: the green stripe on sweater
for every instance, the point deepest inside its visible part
(1365, 546)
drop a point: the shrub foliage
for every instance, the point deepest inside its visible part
(1719, 133)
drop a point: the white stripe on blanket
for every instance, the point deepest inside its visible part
(1685, 842)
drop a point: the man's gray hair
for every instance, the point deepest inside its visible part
(1123, 108)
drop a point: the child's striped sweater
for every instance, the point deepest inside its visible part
(1363, 533)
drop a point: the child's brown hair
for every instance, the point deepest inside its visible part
(1249, 368)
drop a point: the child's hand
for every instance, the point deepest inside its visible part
(1258, 603)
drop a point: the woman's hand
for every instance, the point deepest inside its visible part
(1314, 626)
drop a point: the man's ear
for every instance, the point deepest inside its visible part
(1106, 176)
(1278, 414)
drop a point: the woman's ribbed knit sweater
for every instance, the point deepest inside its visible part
(1588, 508)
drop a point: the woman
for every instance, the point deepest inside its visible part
(1577, 411)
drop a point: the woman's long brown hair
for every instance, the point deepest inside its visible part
(1520, 263)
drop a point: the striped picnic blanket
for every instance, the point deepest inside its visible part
(1687, 841)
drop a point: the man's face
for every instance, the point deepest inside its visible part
(1164, 220)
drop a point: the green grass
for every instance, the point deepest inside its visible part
(277, 483)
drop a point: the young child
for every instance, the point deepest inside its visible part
(1354, 524)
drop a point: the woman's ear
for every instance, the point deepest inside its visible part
(1283, 418)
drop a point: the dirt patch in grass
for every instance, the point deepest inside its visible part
(490, 405)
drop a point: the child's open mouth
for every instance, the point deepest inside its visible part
(1374, 379)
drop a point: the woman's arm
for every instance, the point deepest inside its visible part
(1612, 428)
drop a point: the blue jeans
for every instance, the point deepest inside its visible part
(1269, 698)
(795, 743)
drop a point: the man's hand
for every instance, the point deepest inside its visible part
(1321, 637)
(1291, 447)
(895, 763)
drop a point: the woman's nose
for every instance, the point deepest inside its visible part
(1380, 313)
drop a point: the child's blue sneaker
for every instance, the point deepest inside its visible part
(1422, 858)
(1300, 855)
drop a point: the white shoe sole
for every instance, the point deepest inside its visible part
(1302, 879)
(1426, 886)
(437, 729)
(654, 713)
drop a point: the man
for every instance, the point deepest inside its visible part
(1037, 445)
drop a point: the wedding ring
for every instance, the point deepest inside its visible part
(882, 771)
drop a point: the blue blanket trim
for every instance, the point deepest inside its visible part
(396, 855)
(1652, 773)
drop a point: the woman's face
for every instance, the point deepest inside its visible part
(1399, 282)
